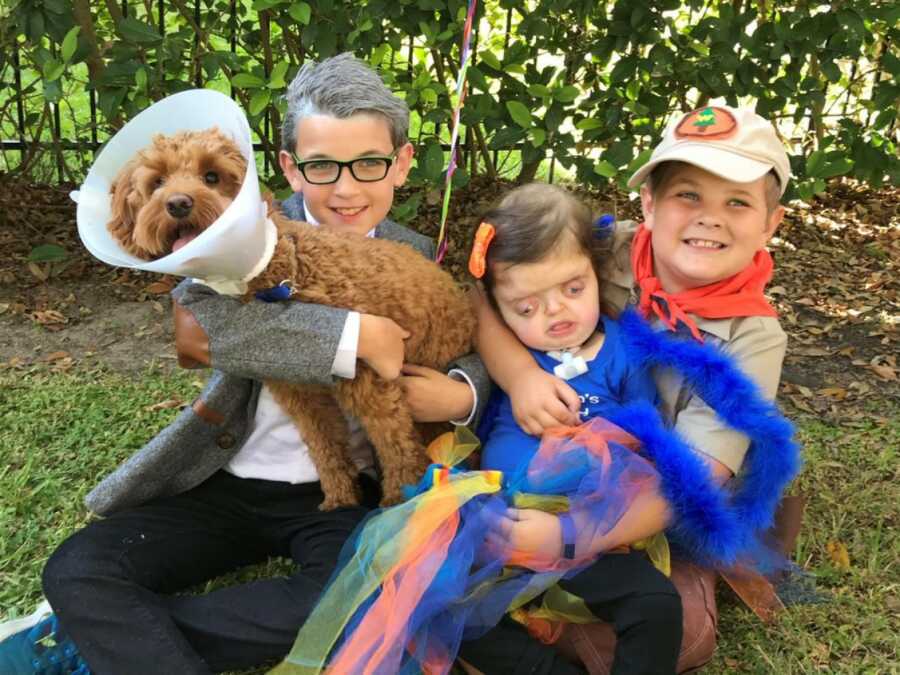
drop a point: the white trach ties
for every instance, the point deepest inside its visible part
(571, 366)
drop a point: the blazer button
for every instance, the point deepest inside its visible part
(225, 441)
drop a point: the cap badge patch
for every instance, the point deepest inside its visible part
(709, 123)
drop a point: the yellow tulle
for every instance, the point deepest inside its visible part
(548, 503)
(657, 548)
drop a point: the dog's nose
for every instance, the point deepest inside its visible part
(179, 206)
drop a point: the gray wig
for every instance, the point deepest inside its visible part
(340, 87)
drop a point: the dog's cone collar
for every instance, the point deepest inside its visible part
(234, 248)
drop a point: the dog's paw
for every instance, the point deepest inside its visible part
(391, 498)
(332, 502)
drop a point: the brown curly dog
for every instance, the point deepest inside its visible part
(177, 187)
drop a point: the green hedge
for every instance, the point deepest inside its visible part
(587, 83)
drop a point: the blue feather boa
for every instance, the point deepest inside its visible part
(718, 526)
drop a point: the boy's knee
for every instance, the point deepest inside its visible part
(78, 558)
(652, 611)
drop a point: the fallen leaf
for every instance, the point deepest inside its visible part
(36, 270)
(837, 393)
(861, 387)
(885, 372)
(55, 356)
(810, 351)
(806, 392)
(62, 365)
(433, 197)
(837, 551)
(163, 405)
(821, 652)
(48, 317)
(800, 404)
(159, 287)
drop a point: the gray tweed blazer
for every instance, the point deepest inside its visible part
(247, 343)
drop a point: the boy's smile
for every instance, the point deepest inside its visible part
(705, 228)
(550, 304)
(347, 204)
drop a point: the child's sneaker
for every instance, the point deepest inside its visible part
(42, 649)
(14, 626)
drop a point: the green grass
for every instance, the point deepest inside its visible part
(851, 482)
(61, 432)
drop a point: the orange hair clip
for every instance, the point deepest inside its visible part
(477, 259)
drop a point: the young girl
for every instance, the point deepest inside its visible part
(539, 272)
(447, 565)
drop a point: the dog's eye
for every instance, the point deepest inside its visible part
(211, 177)
(158, 183)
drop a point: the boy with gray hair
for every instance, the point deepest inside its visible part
(341, 87)
(230, 482)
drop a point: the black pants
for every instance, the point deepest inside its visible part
(111, 583)
(626, 590)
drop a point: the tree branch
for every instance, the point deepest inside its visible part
(81, 11)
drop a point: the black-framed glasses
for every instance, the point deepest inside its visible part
(369, 169)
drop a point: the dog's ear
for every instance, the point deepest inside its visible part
(228, 152)
(235, 159)
(269, 200)
(121, 224)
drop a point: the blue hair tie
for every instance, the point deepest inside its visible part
(603, 226)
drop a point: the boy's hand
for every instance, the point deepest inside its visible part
(541, 401)
(381, 345)
(433, 396)
(534, 533)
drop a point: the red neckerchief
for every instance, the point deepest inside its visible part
(740, 295)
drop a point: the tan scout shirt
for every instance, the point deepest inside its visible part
(756, 342)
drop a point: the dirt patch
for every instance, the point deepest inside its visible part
(60, 307)
(124, 335)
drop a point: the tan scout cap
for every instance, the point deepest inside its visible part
(734, 143)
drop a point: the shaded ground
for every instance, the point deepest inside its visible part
(836, 287)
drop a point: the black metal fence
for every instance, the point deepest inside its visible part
(587, 85)
(58, 143)
(35, 137)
